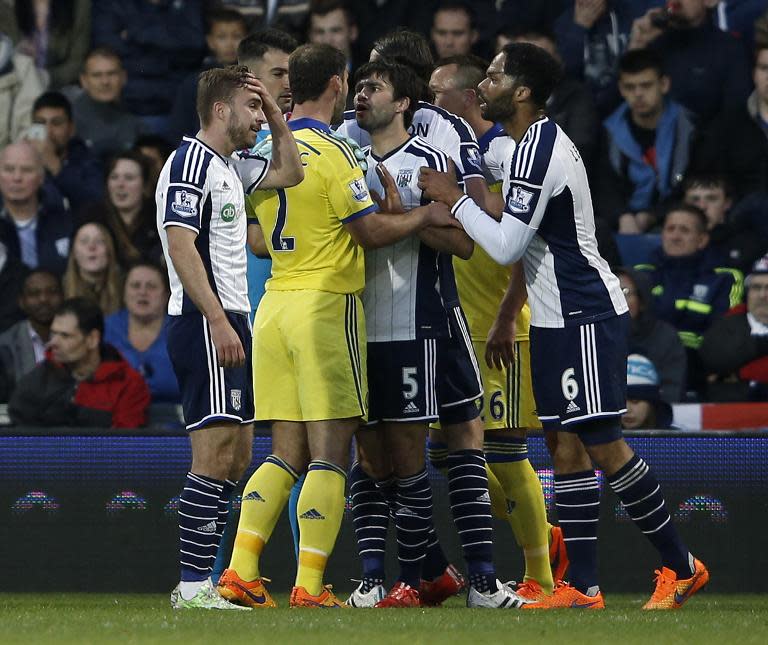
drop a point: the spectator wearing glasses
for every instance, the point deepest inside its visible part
(734, 350)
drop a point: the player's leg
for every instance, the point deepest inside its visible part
(329, 349)
(372, 488)
(413, 508)
(264, 498)
(321, 507)
(508, 409)
(633, 481)
(209, 394)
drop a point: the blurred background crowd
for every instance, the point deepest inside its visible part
(666, 101)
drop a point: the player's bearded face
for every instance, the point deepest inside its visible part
(240, 131)
(500, 108)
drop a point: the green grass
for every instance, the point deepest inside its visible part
(125, 619)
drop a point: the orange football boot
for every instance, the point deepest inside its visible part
(558, 556)
(326, 600)
(566, 597)
(671, 593)
(252, 593)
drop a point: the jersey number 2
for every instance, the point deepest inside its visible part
(280, 243)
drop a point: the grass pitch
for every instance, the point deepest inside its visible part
(126, 619)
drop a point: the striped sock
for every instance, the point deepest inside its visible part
(198, 537)
(438, 455)
(523, 500)
(413, 520)
(224, 549)
(471, 508)
(370, 514)
(577, 498)
(641, 496)
(223, 514)
(435, 562)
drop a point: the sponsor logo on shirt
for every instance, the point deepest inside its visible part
(228, 212)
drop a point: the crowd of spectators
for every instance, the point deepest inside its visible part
(666, 101)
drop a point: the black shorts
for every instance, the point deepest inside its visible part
(210, 393)
(580, 373)
(401, 381)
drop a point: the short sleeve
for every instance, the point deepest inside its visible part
(251, 169)
(349, 194)
(187, 187)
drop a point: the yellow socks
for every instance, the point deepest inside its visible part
(264, 498)
(320, 510)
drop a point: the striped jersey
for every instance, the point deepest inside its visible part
(404, 282)
(546, 189)
(481, 281)
(200, 190)
(303, 225)
(437, 127)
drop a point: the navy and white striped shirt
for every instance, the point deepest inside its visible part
(548, 221)
(200, 190)
(407, 283)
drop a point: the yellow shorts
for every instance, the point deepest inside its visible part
(508, 400)
(309, 356)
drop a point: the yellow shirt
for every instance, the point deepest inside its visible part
(304, 225)
(481, 281)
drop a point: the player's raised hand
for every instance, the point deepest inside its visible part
(390, 202)
(229, 349)
(268, 104)
(440, 186)
(500, 345)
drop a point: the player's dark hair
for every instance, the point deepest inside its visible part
(701, 218)
(458, 5)
(324, 7)
(102, 52)
(56, 278)
(407, 48)
(470, 70)
(533, 68)
(54, 100)
(311, 67)
(706, 179)
(640, 60)
(218, 84)
(404, 83)
(255, 45)
(219, 15)
(86, 311)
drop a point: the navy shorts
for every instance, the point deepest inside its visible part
(459, 384)
(401, 381)
(209, 392)
(579, 373)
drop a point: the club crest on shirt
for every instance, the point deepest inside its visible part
(358, 189)
(184, 204)
(519, 200)
(404, 177)
(236, 397)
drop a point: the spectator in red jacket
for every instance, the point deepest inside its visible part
(82, 382)
(735, 348)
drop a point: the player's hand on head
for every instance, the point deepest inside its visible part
(500, 345)
(390, 202)
(440, 186)
(268, 104)
(229, 349)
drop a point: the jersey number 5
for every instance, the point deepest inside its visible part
(280, 243)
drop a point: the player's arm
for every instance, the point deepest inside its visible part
(500, 345)
(377, 229)
(284, 168)
(256, 241)
(194, 279)
(445, 239)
